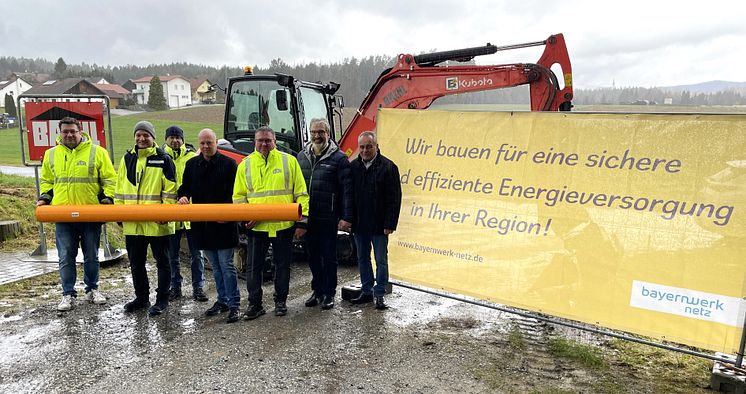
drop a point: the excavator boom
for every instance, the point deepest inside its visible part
(416, 81)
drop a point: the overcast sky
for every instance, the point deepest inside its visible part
(626, 43)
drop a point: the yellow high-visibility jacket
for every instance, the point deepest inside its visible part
(146, 176)
(180, 158)
(83, 175)
(276, 179)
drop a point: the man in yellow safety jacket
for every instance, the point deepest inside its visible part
(147, 175)
(181, 153)
(269, 176)
(77, 172)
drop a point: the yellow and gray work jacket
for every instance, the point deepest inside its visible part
(274, 179)
(180, 158)
(146, 176)
(82, 175)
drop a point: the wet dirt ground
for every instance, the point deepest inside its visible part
(422, 344)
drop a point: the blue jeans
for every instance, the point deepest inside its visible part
(69, 235)
(380, 251)
(198, 265)
(226, 276)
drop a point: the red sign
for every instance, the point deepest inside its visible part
(42, 123)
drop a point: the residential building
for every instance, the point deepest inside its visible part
(13, 85)
(69, 86)
(117, 94)
(201, 91)
(176, 89)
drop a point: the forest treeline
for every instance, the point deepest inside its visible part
(356, 76)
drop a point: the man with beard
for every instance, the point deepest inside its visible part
(327, 174)
(147, 175)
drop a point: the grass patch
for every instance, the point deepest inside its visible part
(515, 338)
(17, 181)
(667, 370)
(587, 355)
(18, 202)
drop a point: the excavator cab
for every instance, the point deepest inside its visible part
(278, 101)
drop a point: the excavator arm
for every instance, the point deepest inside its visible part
(416, 81)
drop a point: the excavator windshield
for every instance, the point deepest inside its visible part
(256, 103)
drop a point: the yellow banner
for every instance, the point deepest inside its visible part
(633, 222)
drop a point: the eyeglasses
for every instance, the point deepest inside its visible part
(318, 131)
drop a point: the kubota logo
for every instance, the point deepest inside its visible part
(453, 83)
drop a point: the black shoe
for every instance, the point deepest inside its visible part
(281, 309)
(200, 295)
(174, 293)
(136, 304)
(232, 315)
(363, 299)
(380, 305)
(328, 302)
(253, 312)
(313, 300)
(216, 308)
(158, 308)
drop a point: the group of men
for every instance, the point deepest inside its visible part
(362, 197)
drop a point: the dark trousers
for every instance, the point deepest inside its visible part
(282, 254)
(137, 250)
(321, 241)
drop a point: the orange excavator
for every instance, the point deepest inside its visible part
(287, 104)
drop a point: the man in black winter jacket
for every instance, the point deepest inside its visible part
(327, 174)
(208, 179)
(377, 204)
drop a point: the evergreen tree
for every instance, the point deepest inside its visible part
(10, 105)
(156, 100)
(60, 69)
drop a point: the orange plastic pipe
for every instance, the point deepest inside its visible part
(168, 213)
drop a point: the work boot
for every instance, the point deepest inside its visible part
(199, 295)
(136, 304)
(158, 308)
(95, 296)
(232, 315)
(67, 303)
(380, 305)
(328, 302)
(313, 300)
(174, 293)
(216, 308)
(281, 309)
(252, 312)
(362, 299)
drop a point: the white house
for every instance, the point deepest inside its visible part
(14, 86)
(176, 90)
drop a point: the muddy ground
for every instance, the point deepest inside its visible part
(422, 344)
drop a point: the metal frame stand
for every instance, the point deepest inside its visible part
(42, 253)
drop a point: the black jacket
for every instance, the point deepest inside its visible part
(329, 184)
(377, 195)
(211, 182)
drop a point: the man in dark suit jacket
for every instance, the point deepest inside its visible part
(208, 179)
(377, 202)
